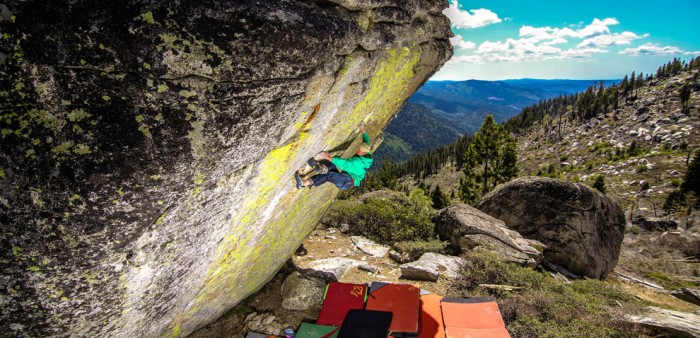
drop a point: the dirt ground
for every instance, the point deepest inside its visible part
(329, 243)
(321, 244)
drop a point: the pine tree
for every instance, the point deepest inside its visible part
(468, 187)
(439, 199)
(599, 184)
(691, 181)
(491, 159)
(685, 95)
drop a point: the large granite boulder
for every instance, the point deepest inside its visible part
(654, 223)
(147, 147)
(581, 228)
(467, 228)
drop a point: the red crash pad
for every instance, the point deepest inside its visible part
(339, 299)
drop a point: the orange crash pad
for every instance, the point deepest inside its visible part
(431, 325)
(472, 318)
(400, 299)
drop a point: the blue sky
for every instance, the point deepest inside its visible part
(554, 39)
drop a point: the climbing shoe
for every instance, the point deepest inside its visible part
(300, 183)
(314, 164)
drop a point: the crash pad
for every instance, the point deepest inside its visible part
(338, 300)
(431, 325)
(307, 330)
(472, 318)
(366, 324)
(402, 300)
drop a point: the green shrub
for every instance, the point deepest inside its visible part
(415, 249)
(644, 186)
(564, 157)
(676, 182)
(642, 168)
(546, 307)
(383, 220)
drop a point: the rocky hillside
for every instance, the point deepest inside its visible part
(147, 149)
(641, 148)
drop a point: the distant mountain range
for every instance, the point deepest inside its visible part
(441, 111)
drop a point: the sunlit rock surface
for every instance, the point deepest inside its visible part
(147, 148)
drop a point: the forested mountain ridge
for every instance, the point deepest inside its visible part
(418, 131)
(637, 135)
(441, 111)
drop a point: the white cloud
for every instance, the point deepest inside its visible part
(616, 39)
(458, 41)
(692, 53)
(579, 42)
(595, 28)
(555, 41)
(466, 59)
(469, 18)
(652, 49)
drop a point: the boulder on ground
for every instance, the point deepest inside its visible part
(467, 228)
(303, 291)
(676, 323)
(337, 267)
(431, 266)
(369, 247)
(582, 228)
(399, 257)
(688, 295)
(654, 223)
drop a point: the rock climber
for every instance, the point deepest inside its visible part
(343, 172)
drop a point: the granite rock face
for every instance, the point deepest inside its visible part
(581, 228)
(467, 228)
(147, 148)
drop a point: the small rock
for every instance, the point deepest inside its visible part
(337, 267)
(301, 251)
(369, 247)
(688, 295)
(330, 237)
(332, 230)
(344, 228)
(400, 258)
(268, 320)
(431, 266)
(302, 291)
(369, 268)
